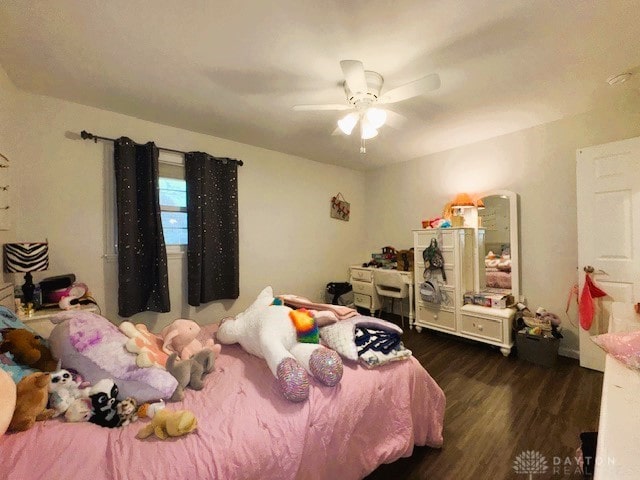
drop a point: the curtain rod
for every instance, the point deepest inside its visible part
(90, 136)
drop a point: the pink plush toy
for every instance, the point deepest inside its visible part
(181, 337)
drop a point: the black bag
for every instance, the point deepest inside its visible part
(433, 259)
(339, 293)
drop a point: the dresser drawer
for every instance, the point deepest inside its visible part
(448, 270)
(487, 328)
(436, 317)
(446, 254)
(445, 238)
(362, 300)
(6, 297)
(362, 275)
(363, 287)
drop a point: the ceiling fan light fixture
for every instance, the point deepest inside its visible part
(347, 123)
(376, 117)
(367, 130)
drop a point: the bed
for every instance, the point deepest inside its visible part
(246, 430)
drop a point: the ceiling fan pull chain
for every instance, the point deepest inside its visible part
(363, 148)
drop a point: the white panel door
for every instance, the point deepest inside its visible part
(608, 187)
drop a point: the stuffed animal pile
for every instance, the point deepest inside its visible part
(62, 393)
(27, 349)
(177, 350)
(269, 331)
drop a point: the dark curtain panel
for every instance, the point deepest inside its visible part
(212, 206)
(143, 281)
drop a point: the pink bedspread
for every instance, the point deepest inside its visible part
(247, 430)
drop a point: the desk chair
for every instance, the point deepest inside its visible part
(389, 284)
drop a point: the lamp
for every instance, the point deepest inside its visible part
(347, 123)
(462, 200)
(27, 258)
(367, 130)
(370, 120)
(376, 117)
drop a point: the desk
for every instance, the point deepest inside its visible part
(619, 429)
(364, 288)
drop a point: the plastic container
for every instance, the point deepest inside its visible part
(537, 349)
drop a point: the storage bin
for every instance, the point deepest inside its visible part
(537, 349)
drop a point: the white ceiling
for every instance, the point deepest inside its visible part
(234, 69)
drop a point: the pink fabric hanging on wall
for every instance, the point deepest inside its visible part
(585, 306)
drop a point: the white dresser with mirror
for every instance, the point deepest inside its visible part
(484, 257)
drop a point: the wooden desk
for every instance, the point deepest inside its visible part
(364, 288)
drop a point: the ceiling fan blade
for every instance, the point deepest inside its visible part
(412, 89)
(337, 131)
(337, 106)
(395, 120)
(353, 71)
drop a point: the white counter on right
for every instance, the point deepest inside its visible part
(617, 454)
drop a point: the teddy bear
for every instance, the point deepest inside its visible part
(180, 337)
(190, 372)
(168, 423)
(27, 349)
(31, 402)
(276, 333)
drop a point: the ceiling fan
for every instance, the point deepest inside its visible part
(362, 88)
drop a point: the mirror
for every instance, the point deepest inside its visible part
(498, 248)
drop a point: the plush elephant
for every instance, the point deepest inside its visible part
(181, 337)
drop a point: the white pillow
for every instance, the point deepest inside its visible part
(341, 338)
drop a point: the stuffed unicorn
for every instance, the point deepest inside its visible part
(269, 331)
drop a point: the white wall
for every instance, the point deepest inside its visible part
(8, 101)
(287, 238)
(539, 164)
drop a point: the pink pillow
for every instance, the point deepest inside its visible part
(623, 346)
(7, 400)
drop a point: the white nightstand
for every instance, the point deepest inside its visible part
(39, 320)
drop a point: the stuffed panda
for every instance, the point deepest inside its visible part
(104, 405)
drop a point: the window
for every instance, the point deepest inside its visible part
(173, 201)
(173, 205)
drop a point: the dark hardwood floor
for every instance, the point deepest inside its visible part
(497, 408)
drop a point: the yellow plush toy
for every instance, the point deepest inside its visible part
(168, 423)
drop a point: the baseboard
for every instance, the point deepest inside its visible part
(569, 352)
